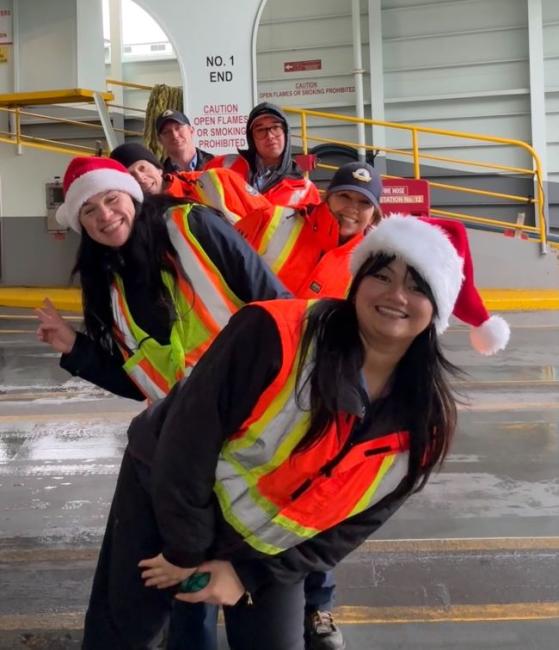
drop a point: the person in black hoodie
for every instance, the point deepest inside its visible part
(267, 164)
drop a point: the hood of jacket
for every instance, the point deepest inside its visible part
(287, 167)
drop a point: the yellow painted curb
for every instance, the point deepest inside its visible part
(520, 299)
(69, 299)
(65, 299)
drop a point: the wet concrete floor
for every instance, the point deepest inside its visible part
(470, 562)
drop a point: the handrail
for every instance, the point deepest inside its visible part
(417, 157)
(20, 139)
(128, 84)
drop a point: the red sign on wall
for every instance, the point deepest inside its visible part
(406, 196)
(300, 66)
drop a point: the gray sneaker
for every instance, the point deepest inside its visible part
(322, 633)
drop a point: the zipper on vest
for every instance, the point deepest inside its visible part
(325, 470)
(380, 450)
(305, 485)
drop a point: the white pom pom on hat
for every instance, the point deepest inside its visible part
(87, 176)
(438, 249)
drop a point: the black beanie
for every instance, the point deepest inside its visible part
(129, 153)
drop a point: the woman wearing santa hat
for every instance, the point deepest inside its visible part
(159, 280)
(310, 423)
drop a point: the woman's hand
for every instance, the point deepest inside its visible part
(53, 329)
(224, 588)
(162, 574)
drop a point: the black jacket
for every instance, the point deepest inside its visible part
(181, 438)
(203, 157)
(242, 268)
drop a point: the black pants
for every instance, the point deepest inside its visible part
(124, 615)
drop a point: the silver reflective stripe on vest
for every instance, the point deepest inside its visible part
(148, 387)
(214, 198)
(121, 322)
(280, 238)
(287, 426)
(297, 195)
(390, 481)
(203, 287)
(144, 382)
(229, 160)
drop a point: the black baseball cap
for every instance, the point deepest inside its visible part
(357, 177)
(168, 115)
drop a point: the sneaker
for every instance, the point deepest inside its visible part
(321, 633)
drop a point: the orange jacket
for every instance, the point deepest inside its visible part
(291, 241)
(331, 277)
(302, 249)
(289, 191)
(221, 189)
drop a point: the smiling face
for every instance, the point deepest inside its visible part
(108, 217)
(149, 177)
(391, 305)
(353, 211)
(176, 139)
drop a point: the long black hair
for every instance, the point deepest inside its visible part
(150, 251)
(420, 389)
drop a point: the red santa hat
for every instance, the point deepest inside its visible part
(87, 176)
(438, 249)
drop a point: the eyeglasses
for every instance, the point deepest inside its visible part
(261, 132)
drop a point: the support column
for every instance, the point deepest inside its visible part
(537, 89)
(358, 74)
(115, 18)
(376, 67)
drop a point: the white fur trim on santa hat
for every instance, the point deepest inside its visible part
(491, 336)
(426, 248)
(89, 184)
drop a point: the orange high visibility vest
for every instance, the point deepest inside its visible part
(292, 192)
(221, 189)
(181, 185)
(292, 242)
(331, 277)
(276, 499)
(203, 305)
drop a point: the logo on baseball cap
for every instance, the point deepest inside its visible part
(168, 116)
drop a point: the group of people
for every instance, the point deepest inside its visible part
(281, 431)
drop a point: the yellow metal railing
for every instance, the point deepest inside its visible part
(416, 156)
(413, 153)
(131, 86)
(12, 104)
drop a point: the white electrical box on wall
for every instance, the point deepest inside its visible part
(54, 198)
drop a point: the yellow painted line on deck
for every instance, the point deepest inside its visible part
(345, 615)
(67, 299)
(507, 406)
(64, 555)
(520, 299)
(459, 544)
(2, 331)
(411, 546)
(33, 317)
(54, 621)
(479, 613)
(108, 416)
(495, 299)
